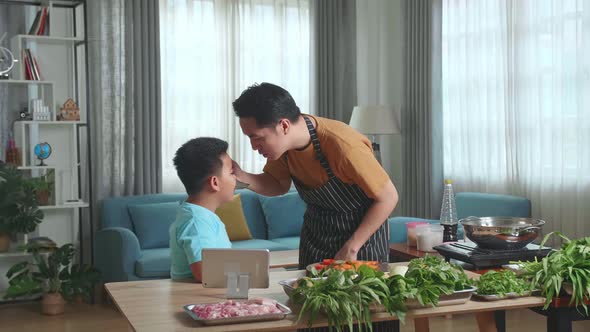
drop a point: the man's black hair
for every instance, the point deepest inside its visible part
(198, 159)
(267, 103)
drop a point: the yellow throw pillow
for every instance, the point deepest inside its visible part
(232, 215)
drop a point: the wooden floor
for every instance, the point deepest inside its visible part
(103, 317)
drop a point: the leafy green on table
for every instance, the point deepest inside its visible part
(501, 283)
(432, 277)
(569, 264)
(344, 296)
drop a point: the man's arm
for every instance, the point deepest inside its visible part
(263, 183)
(197, 270)
(377, 214)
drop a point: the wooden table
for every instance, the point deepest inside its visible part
(156, 305)
(560, 314)
(400, 252)
(288, 259)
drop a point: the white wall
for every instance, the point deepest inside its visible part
(380, 39)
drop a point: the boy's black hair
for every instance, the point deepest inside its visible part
(198, 159)
(267, 103)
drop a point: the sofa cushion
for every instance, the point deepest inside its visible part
(153, 263)
(232, 215)
(151, 223)
(291, 242)
(253, 213)
(258, 244)
(283, 215)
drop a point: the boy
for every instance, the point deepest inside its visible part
(205, 169)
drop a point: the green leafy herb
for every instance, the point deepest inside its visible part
(432, 277)
(344, 296)
(501, 283)
(569, 264)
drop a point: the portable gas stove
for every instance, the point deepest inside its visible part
(468, 252)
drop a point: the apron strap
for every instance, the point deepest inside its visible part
(316, 146)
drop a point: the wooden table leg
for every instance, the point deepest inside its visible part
(486, 322)
(421, 325)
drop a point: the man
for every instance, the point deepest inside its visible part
(348, 194)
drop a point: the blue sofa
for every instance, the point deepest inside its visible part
(132, 243)
(469, 204)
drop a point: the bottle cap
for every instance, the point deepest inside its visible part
(448, 181)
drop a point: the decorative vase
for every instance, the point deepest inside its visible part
(53, 304)
(4, 242)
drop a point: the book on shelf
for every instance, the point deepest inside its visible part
(31, 66)
(40, 25)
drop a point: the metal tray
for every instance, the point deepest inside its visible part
(498, 297)
(457, 297)
(235, 320)
(507, 296)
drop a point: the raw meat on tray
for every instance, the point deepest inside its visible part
(231, 308)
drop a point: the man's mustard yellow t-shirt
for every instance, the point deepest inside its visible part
(348, 152)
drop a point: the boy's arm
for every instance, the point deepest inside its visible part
(197, 270)
(263, 183)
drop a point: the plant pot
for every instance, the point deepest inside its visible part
(43, 197)
(4, 242)
(53, 304)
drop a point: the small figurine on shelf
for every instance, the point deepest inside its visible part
(69, 112)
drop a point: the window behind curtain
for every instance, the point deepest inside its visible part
(516, 103)
(210, 52)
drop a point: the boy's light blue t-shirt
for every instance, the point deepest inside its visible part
(195, 228)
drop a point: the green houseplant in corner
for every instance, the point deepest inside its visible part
(54, 276)
(19, 212)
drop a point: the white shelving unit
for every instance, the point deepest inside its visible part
(61, 58)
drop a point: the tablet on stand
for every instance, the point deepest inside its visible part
(238, 270)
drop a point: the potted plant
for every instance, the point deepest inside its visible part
(19, 212)
(43, 187)
(54, 276)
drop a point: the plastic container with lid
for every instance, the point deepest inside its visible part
(411, 226)
(429, 236)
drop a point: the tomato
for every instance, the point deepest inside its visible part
(328, 261)
(319, 267)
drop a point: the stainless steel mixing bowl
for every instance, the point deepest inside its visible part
(501, 233)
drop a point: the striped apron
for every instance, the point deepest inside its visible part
(334, 212)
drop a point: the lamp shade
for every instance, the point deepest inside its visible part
(374, 120)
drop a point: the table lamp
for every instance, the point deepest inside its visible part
(373, 121)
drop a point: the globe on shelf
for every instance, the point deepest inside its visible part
(42, 151)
